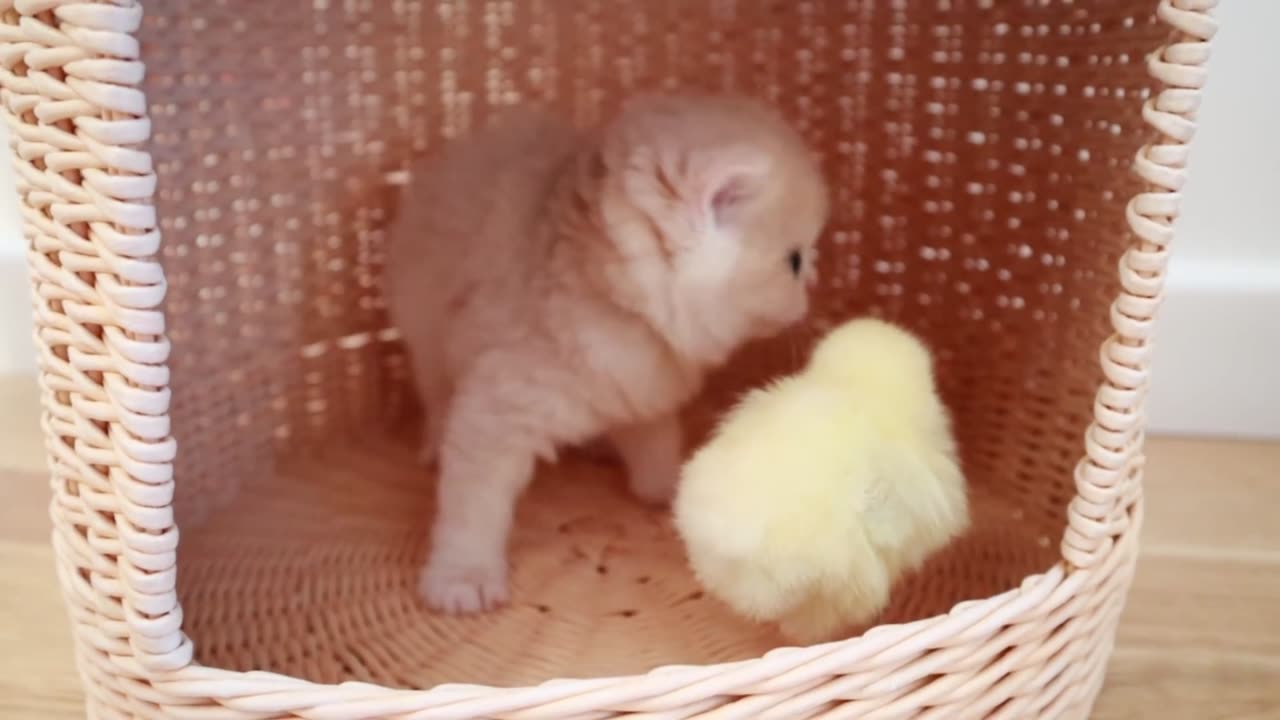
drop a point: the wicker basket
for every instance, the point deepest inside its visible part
(982, 153)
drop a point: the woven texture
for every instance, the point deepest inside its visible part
(1006, 177)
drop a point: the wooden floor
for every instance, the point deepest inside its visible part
(1200, 639)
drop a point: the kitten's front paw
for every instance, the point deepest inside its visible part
(459, 589)
(655, 488)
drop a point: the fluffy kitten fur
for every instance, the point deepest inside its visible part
(554, 286)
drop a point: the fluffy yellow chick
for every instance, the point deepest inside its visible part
(816, 493)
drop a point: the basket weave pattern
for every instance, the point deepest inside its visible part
(980, 152)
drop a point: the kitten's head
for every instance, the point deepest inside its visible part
(730, 201)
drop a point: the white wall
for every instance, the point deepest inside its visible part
(1217, 367)
(1219, 345)
(1229, 216)
(17, 355)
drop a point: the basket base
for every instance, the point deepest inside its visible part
(313, 573)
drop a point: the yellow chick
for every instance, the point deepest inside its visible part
(817, 492)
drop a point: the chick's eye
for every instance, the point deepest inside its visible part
(796, 261)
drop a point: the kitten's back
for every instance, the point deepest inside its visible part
(464, 222)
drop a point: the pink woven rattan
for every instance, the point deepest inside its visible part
(202, 197)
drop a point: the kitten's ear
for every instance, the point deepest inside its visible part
(729, 181)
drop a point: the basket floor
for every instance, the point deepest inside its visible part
(312, 573)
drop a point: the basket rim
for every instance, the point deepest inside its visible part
(675, 685)
(1100, 536)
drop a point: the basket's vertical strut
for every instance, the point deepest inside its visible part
(1108, 478)
(77, 120)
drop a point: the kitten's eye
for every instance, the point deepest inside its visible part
(796, 260)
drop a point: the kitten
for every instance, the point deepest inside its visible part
(553, 286)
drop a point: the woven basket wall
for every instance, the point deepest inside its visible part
(205, 243)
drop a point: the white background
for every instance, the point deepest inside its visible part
(1218, 359)
(1217, 367)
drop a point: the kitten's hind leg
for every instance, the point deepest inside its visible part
(484, 468)
(651, 451)
(599, 450)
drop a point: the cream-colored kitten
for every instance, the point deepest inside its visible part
(554, 286)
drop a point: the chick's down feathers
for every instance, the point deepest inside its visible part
(817, 492)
